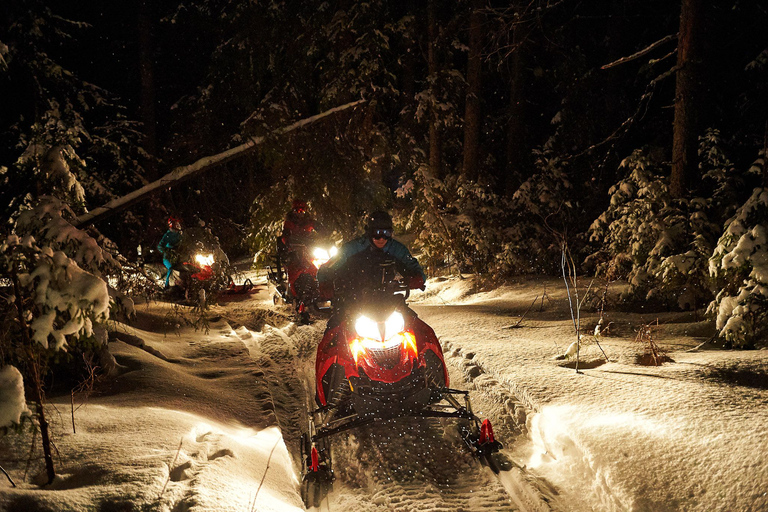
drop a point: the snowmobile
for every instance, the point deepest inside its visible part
(379, 361)
(294, 277)
(204, 268)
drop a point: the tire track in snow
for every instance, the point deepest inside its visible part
(401, 466)
(281, 354)
(509, 415)
(411, 465)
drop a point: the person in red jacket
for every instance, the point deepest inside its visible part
(298, 229)
(298, 226)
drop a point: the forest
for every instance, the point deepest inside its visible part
(627, 137)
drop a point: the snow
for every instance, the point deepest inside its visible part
(12, 405)
(200, 420)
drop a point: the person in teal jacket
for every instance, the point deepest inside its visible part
(169, 245)
(377, 237)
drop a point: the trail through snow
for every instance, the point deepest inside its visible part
(202, 420)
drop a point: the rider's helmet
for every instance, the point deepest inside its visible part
(174, 223)
(379, 225)
(299, 206)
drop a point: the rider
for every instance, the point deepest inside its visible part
(169, 245)
(298, 226)
(376, 242)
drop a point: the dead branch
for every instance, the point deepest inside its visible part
(170, 468)
(521, 318)
(86, 386)
(8, 476)
(253, 507)
(642, 52)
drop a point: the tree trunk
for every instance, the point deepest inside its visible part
(435, 155)
(474, 84)
(516, 151)
(147, 93)
(37, 382)
(689, 59)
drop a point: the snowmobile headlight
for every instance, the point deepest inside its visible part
(394, 325)
(367, 328)
(381, 335)
(204, 259)
(320, 256)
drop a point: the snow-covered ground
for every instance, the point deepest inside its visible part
(202, 420)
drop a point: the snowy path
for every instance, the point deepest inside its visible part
(620, 436)
(189, 422)
(402, 465)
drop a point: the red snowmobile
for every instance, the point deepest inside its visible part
(380, 361)
(203, 268)
(295, 279)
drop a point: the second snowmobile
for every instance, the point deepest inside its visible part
(294, 277)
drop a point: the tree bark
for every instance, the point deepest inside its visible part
(516, 151)
(435, 154)
(687, 90)
(474, 85)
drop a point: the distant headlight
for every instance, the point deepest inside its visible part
(204, 260)
(321, 256)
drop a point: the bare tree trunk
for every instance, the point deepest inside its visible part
(474, 84)
(147, 74)
(685, 139)
(516, 156)
(37, 381)
(435, 154)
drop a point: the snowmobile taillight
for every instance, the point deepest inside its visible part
(486, 433)
(315, 460)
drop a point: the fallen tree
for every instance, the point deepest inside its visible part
(185, 172)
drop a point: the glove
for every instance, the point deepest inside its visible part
(326, 290)
(416, 282)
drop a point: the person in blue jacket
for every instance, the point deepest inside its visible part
(169, 245)
(352, 257)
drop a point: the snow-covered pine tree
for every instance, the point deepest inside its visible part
(539, 220)
(739, 266)
(60, 130)
(62, 142)
(660, 245)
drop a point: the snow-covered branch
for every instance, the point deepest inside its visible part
(185, 172)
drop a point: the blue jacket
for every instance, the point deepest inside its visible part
(327, 273)
(170, 241)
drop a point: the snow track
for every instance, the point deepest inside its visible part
(402, 464)
(412, 465)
